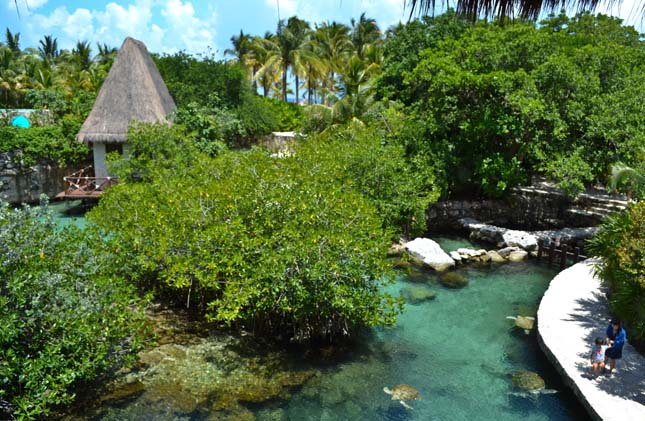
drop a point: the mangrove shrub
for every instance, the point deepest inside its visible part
(65, 317)
(277, 245)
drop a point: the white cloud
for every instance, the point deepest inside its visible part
(26, 5)
(163, 25)
(79, 25)
(196, 35)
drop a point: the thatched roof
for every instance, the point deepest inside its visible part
(132, 91)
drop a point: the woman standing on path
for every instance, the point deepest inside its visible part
(616, 338)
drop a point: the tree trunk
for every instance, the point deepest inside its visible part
(297, 93)
(284, 84)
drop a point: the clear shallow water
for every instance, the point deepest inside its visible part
(65, 213)
(457, 350)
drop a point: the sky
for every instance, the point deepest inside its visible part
(198, 26)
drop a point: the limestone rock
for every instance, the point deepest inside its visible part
(396, 250)
(517, 255)
(487, 233)
(454, 255)
(506, 251)
(520, 239)
(430, 253)
(495, 257)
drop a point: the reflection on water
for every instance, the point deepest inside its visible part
(457, 349)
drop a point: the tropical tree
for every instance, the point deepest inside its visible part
(333, 46)
(13, 41)
(105, 54)
(365, 33)
(265, 56)
(81, 55)
(48, 49)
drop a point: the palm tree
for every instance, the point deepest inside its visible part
(13, 41)
(356, 88)
(365, 32)
(634, 178)
(265, 53)
(81, 55)
(333, 46)
(106, 54)
(241, 47)
(287, 51)
(48, 49)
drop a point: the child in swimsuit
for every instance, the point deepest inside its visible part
(598, 356)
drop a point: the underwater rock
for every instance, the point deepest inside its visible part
(401, 264)
(124, 391)
(417, 294)
(277, 414)
(430, 253)
(453, 280)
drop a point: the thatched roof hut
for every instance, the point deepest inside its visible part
(132, 91)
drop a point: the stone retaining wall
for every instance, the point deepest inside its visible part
(19, 184)
(527, 208)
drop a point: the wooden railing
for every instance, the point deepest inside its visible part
(559, 253)
(80, 184)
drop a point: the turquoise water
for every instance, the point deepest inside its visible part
(457, 350)
(67, 212)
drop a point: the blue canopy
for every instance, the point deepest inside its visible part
(20, 121)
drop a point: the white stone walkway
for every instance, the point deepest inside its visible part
(572, 313)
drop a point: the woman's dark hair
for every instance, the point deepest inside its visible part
(615, 322)
(599, 340)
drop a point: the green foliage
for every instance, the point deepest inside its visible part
(360, 157)
(48, 142)
(499, 103)
(571, 171)
(620, 243)
(193, 79)
(66, 317)
(280, 246)
(289, 116)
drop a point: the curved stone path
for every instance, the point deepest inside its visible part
(572, 313)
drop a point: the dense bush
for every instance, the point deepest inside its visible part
(620, 242)
(500, 103)
(194, 79)
(66, 318)
(280, 246)
(48, 142)
(362, 158)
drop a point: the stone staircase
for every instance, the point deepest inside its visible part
(596, 205)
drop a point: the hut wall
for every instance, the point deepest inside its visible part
(100, 169)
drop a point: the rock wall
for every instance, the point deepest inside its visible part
(19, 184)
(527, 208)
